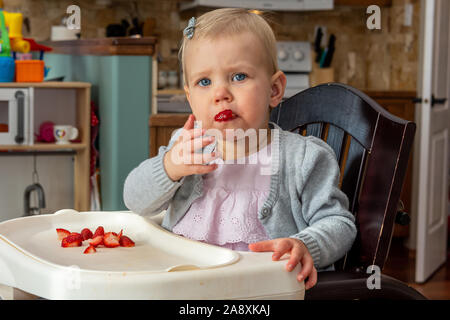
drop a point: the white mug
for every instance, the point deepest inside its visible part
(64, 133)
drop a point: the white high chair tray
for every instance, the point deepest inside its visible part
(161, 265)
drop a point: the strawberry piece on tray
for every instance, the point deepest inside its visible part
(86, 234)
(99, 232)
(73, 240)
(110, 240)
(126, 242)
(62, 233)
(96, 241)
(90, 249)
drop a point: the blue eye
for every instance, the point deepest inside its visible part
(204, 82)
(239, 77)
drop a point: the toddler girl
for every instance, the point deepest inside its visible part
(230, 177)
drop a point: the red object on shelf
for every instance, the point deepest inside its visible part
(3, 127)
(46, 132)
(34, 46)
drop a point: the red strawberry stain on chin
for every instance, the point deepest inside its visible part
(224, 115)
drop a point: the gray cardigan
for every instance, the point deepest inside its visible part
(304, 201)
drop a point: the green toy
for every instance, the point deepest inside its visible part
(5, 47)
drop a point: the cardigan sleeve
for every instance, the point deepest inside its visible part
(148, 189)
(331, 227)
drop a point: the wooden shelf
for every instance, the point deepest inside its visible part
(46, 84)
(105, 46)
(365, 3)
(44, 147)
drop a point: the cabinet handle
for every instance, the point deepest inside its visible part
(20, 96)
(437, 100)
(433, 100)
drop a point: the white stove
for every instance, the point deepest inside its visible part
(294, 59)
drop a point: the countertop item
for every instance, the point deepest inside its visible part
(162, 265)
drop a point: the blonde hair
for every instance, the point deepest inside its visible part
(232, 21)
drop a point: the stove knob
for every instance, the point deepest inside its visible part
(299, 55)
(282, 55)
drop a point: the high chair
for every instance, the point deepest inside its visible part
(372, 148)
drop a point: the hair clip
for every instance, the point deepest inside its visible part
(189, 30)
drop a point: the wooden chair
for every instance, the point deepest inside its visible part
(372, 148)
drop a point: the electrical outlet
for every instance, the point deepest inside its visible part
(408, 15)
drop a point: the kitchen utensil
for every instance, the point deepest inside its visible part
(30, 211)
(330, 51)
(36, 186)
(317, 41)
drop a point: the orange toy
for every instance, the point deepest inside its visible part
(29, 70)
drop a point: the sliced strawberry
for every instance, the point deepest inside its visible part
(99, 232)
(224, 115)
(98, 240)
(110, 240)
(73, 240)
(126, 242)
(90, 249)
(120, 234)
(62, 233)
(75, 234)
(86, 234)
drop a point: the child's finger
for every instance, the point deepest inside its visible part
(200, 158)
(312, 279)
(307, 266)
(296, 256)
(262, 246)
(202, 169)
(281, 248)
(189, 124)
(188, 135)
(200, 142)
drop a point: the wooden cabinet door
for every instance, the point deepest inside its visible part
(161, 127)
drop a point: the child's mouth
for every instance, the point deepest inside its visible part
(225, 115)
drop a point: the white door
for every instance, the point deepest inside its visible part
(432, 138)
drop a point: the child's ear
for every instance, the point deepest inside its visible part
(278, 85)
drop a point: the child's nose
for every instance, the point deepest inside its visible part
(222, 94)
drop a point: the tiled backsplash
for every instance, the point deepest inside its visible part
(383, 59)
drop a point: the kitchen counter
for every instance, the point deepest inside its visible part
(105, 46)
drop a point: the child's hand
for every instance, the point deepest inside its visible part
(298, 253)
(181, 160)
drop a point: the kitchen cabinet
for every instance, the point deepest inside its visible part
(121, 71)
(162, 126)
(65, 103)
(365, 3)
